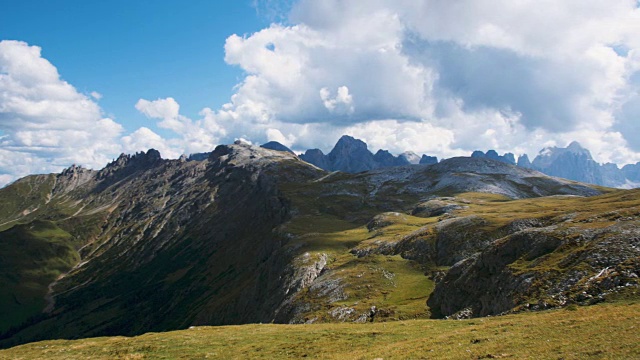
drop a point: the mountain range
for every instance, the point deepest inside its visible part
(250, 235)
(573, 162)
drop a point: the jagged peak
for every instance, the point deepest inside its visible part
(137, 160)
(313, 151)
(349, 142)
(381, 152)
(548, 154)
(523, 161)
(73, 169)
(482, 165)
(428, 160)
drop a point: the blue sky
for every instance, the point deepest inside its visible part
(83, 81)
(127, 50)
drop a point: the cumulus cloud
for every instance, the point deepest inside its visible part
(514, 76)
(341, 103)
(166, 109)
(192, 136)
(144, 139)
(45, 123)
(277, 135)
(437, 77)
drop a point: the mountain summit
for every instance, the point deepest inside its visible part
(352, 155)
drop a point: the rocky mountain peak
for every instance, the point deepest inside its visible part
(573, 162)
(137, 161)
(73, 170)
(348, 144)
(243, 154)
(523, 161)
(493, 155)
(351, 155)
(575, 146)
(428, 160)
(410, 157)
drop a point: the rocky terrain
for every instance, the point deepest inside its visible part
(249, 234)
(352, 155)
(573, 162)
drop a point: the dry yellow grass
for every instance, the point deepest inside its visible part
(606, 331)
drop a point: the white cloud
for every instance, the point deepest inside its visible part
(96, 95)
(46, 124)
(277, 135)
(166, 109)
(342, 103)
(192, 136)
(513, 76)
(144, 139)
(442, 78)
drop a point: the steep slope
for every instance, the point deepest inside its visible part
(537, 255)
(253, 235)
(172, 247)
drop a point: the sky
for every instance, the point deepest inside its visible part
(83, 81)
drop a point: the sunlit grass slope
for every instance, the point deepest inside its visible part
(606, 331)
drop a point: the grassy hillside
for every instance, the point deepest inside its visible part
(606, 331)
(31, 257)
(253, 236)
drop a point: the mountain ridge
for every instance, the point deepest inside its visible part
(573, 162)
(250, 234)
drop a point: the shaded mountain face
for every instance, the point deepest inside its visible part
(493, 155)
(352, 155)
(255, 235)
(573, 162)
(632, 172)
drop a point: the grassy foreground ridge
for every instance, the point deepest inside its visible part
(606, 331)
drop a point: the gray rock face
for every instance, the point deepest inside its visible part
(611, 175)
(493, 155)
(523, 161)
(169, 243)
(383, 158)
(352, 156)
(126, 165)
(573, 162)
(487, 283)
(316, 157)
(428, 160)
(410, 157)
(198, 156)
(632, 172)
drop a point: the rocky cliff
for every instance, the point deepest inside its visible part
(352, 155)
